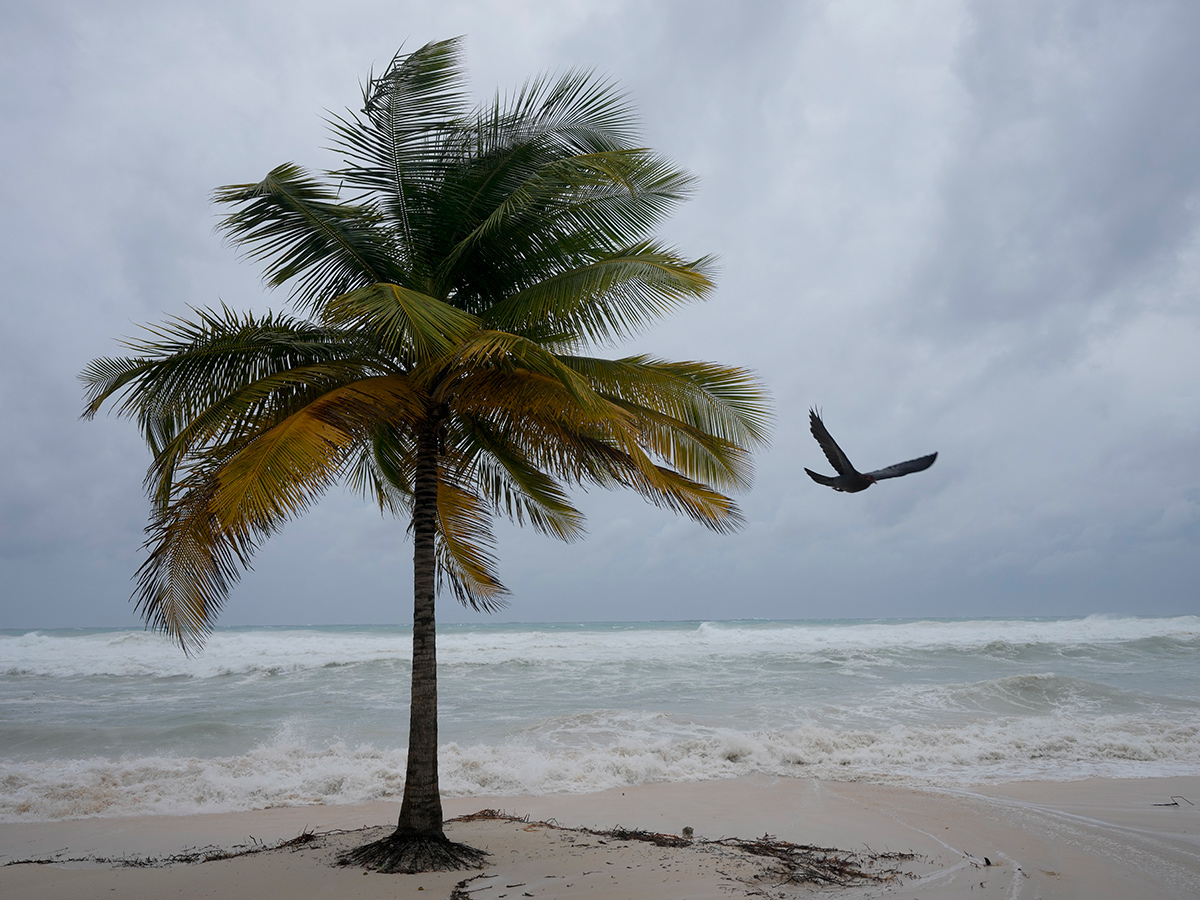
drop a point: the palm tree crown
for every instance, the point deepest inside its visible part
(453, 271)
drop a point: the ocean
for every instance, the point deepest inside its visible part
(103, 722)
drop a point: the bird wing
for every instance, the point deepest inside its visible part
(819, 478)
(904, 468)
(833, 452)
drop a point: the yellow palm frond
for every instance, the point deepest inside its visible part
(278, 473)
(191, 566)
(725, 401)
(466, 546)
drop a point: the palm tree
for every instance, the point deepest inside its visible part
(452, 271)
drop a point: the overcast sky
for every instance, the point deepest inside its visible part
(962, 227)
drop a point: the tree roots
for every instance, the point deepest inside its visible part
(407, 852)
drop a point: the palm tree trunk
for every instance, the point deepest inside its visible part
(421, 809)
(419, 844)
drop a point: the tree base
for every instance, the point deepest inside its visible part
(407, 852)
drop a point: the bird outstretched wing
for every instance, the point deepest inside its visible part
(833, 452)
(904, 468)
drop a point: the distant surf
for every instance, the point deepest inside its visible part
(102, 722)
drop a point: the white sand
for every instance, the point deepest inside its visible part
(1097, 839)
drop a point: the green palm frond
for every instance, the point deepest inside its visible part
(296, 227)
(607, 298)
(514, 484)
(619, 196)
(542, 176)
(412, 326)
(725, 400)
(578, 112)
(198, 384)
(184, 364)
(383, 473)
(542, 206)
(395, 149)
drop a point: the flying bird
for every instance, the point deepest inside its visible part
(848, 478)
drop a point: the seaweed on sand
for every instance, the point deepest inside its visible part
(790, 863)
(779, 862)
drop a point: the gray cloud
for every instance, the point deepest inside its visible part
(963, 227)
(1068, 184)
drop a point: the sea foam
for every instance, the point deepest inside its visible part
(273, 650)
(120, 722)
(633, 750)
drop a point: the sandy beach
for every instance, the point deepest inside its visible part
(1098, 838)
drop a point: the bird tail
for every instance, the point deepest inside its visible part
(819, 478)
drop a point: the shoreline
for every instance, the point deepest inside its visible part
(1098, 838)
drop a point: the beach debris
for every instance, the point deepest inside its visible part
(650, 837)
(1175, 801)
(187, 857)
(460, 891)
(763, 861)
(305, 837)
(790, 864)
(809, 864)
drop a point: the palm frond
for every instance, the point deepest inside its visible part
(191, 566)
(466, 546)
(297, 228)
(618, 196)
(503, 350)
(278, 474)
(513, 483)
(529, 425)
(184, 363)
(394, 150)
(199, 383)
(718, 409)
(383, 473)
(579, 112)
(691, 451)
(669, 489)
(412, 326)
(543, 208)
(607, 298)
